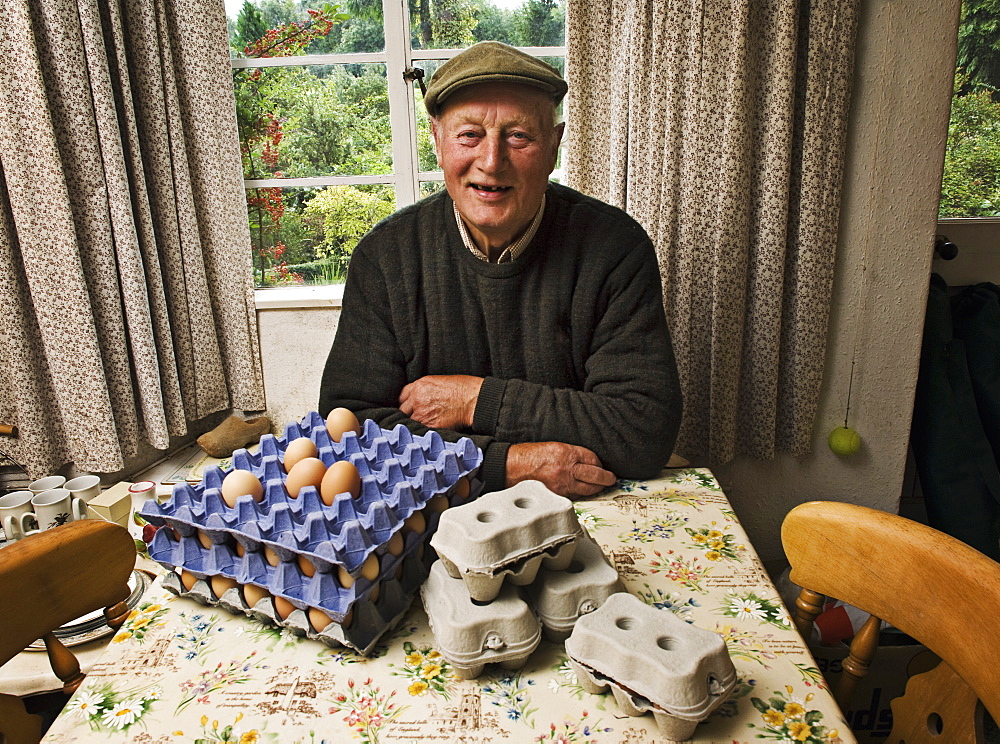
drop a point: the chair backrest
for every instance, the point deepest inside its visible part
(50, 579)
(927, 584)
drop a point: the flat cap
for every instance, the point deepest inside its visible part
(491, 62)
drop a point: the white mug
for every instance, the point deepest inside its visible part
(52, 508)
(85, 487)
(12, 506)
(46, 484)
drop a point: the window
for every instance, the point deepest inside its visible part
(333, 132)
(971, 183)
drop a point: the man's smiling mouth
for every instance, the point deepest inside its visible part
(494, 189)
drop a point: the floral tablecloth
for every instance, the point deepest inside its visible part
(179, 672)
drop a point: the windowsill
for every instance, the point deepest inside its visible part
(284, 298)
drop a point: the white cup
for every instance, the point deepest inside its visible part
(51, 509)
(12, 507)
(85, 487)
(46, 484)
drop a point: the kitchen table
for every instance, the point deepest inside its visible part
(178, 671)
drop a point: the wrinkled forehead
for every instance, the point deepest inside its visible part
(515, 104)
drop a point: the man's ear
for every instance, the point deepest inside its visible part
(557, 134)
(434, 136)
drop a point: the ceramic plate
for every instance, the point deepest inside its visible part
(91, 626)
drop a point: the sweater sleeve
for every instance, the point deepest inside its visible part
(629, 409)
(366, 368)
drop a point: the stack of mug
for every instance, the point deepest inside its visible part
(47, 503)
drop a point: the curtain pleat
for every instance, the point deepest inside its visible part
(727, 123)
(128, 310)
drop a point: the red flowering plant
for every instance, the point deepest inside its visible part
(259, 94)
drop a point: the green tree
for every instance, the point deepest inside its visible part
(540, 23)
(979, 44)
(342, 215)
(496, 24)
(971, 183)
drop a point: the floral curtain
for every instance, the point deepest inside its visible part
(720, 126)
(126, 298)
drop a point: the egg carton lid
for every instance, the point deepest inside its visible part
(680, 668)
(505, 527)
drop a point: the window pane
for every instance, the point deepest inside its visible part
(272, 28)
(315, 120)
(456, 24)
(306, 236)
(971, 183)
(429, 187)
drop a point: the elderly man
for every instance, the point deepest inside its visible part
(509, 309)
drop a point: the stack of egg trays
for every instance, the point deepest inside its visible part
(400, 473)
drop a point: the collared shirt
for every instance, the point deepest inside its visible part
(513, 250)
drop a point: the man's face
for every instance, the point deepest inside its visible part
(496, 144)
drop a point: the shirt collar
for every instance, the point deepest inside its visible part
(513, 250)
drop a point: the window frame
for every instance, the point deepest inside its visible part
(406, 177)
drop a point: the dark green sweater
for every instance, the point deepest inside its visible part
(570, 337)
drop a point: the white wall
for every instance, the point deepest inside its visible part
(294, 343)
(906, 53)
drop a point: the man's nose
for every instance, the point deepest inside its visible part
(493, 154)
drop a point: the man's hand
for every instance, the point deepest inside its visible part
(566, 469)
(442, 401)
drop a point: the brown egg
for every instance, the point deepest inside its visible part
(370, 568)
(271, 557)
(438, 504)
(205, 540)
(396, 544)
(318, 619)
(299, 449)
(306, 566)
(341, 477)
(461, 489)
(254, 594)
(188, 580)
(415, 523)
(373, 595)
(341, 420)
(240, 550)
(221, 584)
(239, 483)
(283, 607)
(345, 579)
(307, 472)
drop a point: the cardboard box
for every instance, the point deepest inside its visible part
(869, 715)
(113, 505)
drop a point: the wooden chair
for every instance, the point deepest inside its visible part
(927, 584)
(48, 580)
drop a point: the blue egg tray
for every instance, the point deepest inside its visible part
(400, 473)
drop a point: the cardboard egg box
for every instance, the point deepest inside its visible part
(471, 634)
(508, 535)
(369, 538)
(652, 661)
(533, 570)
(560, 598)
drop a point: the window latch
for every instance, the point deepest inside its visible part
(415, 73)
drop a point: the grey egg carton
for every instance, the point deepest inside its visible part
(653, 662)
(507, 534)
(560, 598)
(471, 634)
